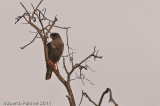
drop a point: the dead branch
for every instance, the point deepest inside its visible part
(86, 95)
(25, 8)
(101, 98)
(111, 98)
(19, 18)
(29, 42)
(64, 65)
(84, 60)
(36, 8)
(82, 77)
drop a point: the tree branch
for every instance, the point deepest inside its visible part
(86, 95)
(36, 8)
(29, 42)
(79, 64)
(25, 8)
(110, 96)
(64, 65)
(53, 23)
(101, 98)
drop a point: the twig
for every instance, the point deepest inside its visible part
(81, 99)
(101, 98)
(29, 42)
(53, 23)
(32, 6)
(19, 18)
(36, 8)
(25, 8)
(111, 98)
(64, 65)
(62, 27)
(79, 64)
(43, 14)
(86, 95)
(82, 77)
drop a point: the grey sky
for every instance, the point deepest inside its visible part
(125, 31)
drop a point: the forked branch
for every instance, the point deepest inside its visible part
(93, 54)
(101, 98)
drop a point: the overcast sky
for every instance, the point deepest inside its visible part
(126, 32)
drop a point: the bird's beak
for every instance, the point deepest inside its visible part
(52, 37)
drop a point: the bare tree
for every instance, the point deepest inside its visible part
(36, 19)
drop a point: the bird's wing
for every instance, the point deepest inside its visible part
(49, 48)
(52, 52)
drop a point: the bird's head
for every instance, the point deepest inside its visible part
(55, 35)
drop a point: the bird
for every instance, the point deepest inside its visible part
(55, 50)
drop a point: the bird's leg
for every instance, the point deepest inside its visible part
(52, 63)
(57, 67)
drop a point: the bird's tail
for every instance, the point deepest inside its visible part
(48, 73)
